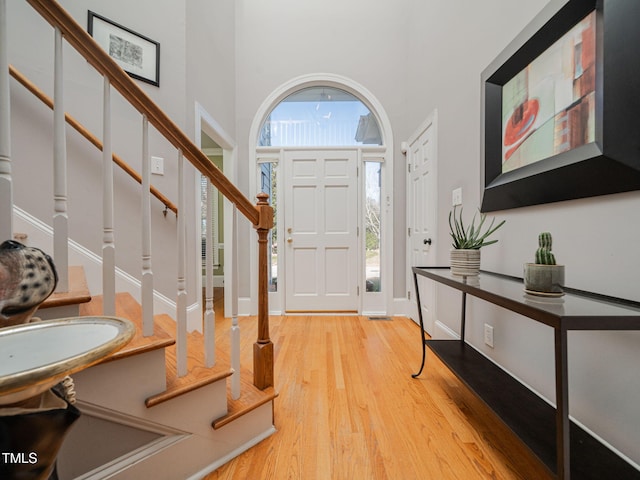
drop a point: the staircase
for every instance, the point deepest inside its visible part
(173, 403)
(140, 419)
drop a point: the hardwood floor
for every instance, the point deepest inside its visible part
(349, 409)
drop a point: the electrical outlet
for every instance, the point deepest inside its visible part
(157, 165)
(456, 197)
(488, 335)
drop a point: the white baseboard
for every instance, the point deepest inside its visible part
(442, 331)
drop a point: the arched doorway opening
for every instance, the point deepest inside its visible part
(321, 146)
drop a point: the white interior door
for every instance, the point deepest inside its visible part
(422, 211)
(321, 237)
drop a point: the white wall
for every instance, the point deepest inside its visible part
(451, 43)
(210, 55)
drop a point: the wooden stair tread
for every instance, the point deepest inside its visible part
(127, 307)
(251, 398)
(198, 375)
(78, 291)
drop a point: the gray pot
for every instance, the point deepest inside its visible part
(547, 279)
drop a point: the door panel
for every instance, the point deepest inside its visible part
(421, 175)
(422, 215)
(321, 230)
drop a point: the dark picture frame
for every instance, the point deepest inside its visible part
(610, 162)
(136, 54)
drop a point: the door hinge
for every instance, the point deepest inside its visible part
(408, 167)
(409, 295)
(357, 231)
(409, 231)
(358, 290)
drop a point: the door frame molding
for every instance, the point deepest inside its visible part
(204, 122)
(385, 152)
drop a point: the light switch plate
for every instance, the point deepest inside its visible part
(488, 335)
(456, 197)
(157, 165)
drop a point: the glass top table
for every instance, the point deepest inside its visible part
(576, 310)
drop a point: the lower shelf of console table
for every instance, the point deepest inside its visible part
(531, 418)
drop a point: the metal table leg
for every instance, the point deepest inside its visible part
(422, 335)
(463, 316)
(562, 405)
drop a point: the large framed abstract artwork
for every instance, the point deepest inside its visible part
(561, 107)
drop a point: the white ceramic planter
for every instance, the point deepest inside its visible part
(465, 262)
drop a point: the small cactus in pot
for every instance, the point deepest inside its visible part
(544, 276)
(544, 256)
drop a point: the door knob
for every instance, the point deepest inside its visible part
(289, 240)
(427, 241)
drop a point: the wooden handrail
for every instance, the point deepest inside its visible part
(77, 37)
(29, 85)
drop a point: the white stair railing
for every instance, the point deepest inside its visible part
(147, 273)
(108, 235)
(6, 185)
(181, 303)
(60, 218)
(235, 328)
(209, 314)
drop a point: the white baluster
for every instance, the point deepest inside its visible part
(181, 314)
(147, 273)
(60, 219)
(108, 243)
(209, 314)
(235, 328)
(214, 227)
(6, 184)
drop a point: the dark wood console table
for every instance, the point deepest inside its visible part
(565, 448)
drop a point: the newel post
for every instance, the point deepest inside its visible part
(263, 348)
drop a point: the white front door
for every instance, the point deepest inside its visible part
(421, 203)
(321, 231)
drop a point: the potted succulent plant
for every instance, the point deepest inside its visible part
(467, 242)
(544, 277)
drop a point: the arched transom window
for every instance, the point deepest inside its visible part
(320, 116)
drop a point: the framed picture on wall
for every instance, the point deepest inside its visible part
(136, 54)
(559, 119)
